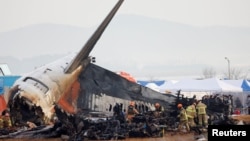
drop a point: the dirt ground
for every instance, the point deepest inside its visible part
(167, 137)
(244, 118)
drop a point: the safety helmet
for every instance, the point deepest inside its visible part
(157, 105)
(132, 103)
(179, 105)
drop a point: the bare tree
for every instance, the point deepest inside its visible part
(208, 72)
(237, 73)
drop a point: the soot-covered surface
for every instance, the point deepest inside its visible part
(97, 80)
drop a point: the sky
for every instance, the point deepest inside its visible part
(16, 14)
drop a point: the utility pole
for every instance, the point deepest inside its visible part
(228, 62)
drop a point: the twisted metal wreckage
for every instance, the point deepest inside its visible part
(87, 99)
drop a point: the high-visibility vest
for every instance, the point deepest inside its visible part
(1, 123)
(201, 108)
(183, 115)
(6, 121)
(191, 111)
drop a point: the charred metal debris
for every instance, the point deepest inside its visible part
(100, 126)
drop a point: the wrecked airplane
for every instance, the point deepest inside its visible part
(74, 86)
(74, 97)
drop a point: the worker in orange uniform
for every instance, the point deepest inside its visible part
(131, 111)
(183, 118)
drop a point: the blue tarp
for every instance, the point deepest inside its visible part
(245, 85)
(1, 86)
(7, 81)
(157, 82)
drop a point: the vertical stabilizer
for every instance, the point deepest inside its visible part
(4, 70)
(82, 56)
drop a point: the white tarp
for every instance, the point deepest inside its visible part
(153, 86)
(166, 87)
(199, 88)
(243, 83)
(237, 83)
(212, 85)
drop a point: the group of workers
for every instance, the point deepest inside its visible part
(132, 111)
(6, 122)
(193, 115)
(187, 116)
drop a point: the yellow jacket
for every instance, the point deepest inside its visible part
(183, 115)
(201, 108)
(191, 111)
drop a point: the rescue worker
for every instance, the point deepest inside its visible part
(191, 114)
(183, 118)
(158, 110)
(230, 104)
(248, 104)
(202, 114)
(158, 107)
(131, 111)
(1, 122)
(6, 119)
(118, 113)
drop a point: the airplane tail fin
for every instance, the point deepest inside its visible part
(82, 56)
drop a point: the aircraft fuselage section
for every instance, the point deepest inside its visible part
(45, 86)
